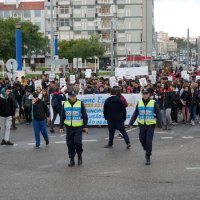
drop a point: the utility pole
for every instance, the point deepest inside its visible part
(52, 37)
(112, 48)
(188, 49)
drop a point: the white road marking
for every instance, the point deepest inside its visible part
(45, 166)
(60, 142)
(112, 172)
(161, 132)
(89, 140)
(187, 137)
(132, 129)
(193, 168)
(63, 135)
(52, 136)
(30, 144)
(166, 138)
(15, 145)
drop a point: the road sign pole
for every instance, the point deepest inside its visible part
(19, 48)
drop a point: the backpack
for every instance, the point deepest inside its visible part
(54, 103)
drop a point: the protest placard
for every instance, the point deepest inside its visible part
(88, 73)
(62, 82)
(38, 84)
(72, 79)
(143, 82)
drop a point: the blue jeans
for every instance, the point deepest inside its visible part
(40, 126)
(193, 109)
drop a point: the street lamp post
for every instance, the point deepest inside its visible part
(112, 48)
(18, 35)
(52, 37)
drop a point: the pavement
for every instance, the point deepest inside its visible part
(107, 174)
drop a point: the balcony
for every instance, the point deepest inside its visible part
(105, 2)
(64, 2)
(77, 2)
(105, 14)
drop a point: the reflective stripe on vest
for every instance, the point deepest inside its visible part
(146, 114)
(73, 116)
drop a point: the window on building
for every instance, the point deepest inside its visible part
(64, 9)
(27, 14)
(1, 14)
(64, 22)
(6, 13)
(37, 13)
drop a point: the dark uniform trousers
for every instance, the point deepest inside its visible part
(74, 141)
(146, 137)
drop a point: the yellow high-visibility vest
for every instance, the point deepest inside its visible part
(146, 114)
(73, 115)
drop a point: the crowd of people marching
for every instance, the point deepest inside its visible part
(178, 100)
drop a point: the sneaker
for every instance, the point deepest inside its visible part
(14, 128)
(80, 160)
(148, 161)
(9, 143)
(37, 146)
(71, 163)
(128, 146)
(108, 146)
(3, 142)
(192, 123)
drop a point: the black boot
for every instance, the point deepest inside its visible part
(108, 146)
(71, 163)
(148, 160)
(80, 160)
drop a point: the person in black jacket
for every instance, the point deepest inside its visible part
(6, 111)
(147, 114)
(192, 105)
(175, 103)
(115, 113)
(56, 103)
(40, 112)
(75, 119)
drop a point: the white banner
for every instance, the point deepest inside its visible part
(94, 107)
(131, 71)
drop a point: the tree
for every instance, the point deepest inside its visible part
(33, 42)
(81, 48)
(181, 43)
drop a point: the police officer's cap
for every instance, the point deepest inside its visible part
(145, 91)
(72, 93)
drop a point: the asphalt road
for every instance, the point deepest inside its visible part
(107, 174)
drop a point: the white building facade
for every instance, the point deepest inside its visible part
(133, 23)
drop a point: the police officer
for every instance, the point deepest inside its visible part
(148, 114)
(75, 119)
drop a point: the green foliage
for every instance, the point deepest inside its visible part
(82, 48)
(181, 43)
(34, 43)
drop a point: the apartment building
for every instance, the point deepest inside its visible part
(28, 11)
(132, 22)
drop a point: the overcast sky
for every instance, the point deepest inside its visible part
(175, 16)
